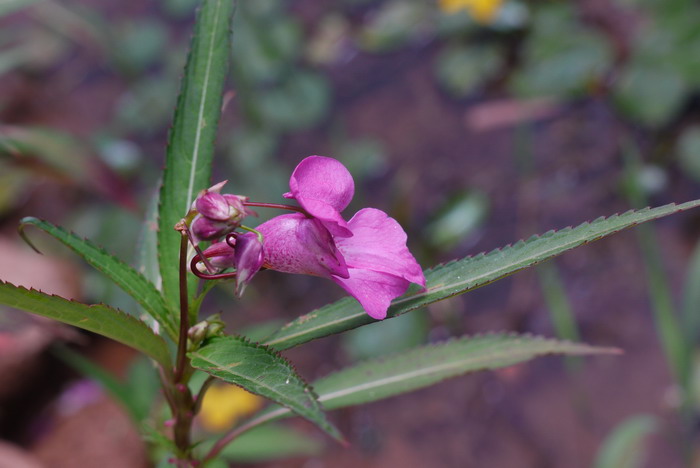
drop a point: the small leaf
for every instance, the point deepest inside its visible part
(624, 447)
(424, 366)
(460, 276)
(263, 372)
(97, 318)
(130, 280)
(191, 139)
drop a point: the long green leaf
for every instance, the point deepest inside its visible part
(464, 275)
(262, 371)
(191, 139)
(424, 366)
(130, 280)
(97, 318)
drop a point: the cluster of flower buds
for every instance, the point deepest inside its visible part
(217, 214)
(214, 216)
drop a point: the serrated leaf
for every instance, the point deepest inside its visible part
(191, 139)
(427, 365)
(424, 366)
(130, 280)
(624, 447)
(97, 318)
(460, 276)
(262, 371)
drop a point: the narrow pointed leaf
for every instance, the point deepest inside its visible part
(460, 276)
(262, 371)
(130, 280)
(97, 318)
(191, 139)
(424, 366)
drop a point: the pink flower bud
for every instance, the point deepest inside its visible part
(213, 206)
(206, 229)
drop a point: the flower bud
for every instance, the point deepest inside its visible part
(211, 327)
(206, 229)
(217, 214)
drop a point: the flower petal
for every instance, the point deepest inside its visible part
(324, 188)
(297, 244)
(374, 290)
(379, 244)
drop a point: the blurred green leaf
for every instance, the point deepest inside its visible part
(650, 95)
(266, 44)
(394, 24)
(561, 57)
(457, 219)
(179, 8)
(131, 281)
(299, 102)
(625, 446)
(11, 6)
(461, 69)
(271, 442)
(97, 318)
(146, 106)
(555, 296)
(460, 276)
(691, 300)
(191, 140)
(140, 43)
(364, 157)
(262, 371)
(688, 152)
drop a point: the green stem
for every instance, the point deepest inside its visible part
(184, 314)
(182, 401)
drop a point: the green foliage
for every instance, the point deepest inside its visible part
(461, 69)
(688, 151)
(424, 366)
(191, 140)
(97, 318)
(136, 395)
(427, 365)
(464, 275)
(561, 56)
(130, 280)
(262, 371)
(270, 442)
(625, 446)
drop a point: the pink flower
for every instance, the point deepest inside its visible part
(367, 256)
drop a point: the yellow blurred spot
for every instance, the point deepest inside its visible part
(224, 405)
(483, 11)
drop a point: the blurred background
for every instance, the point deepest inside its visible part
(475, 123)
